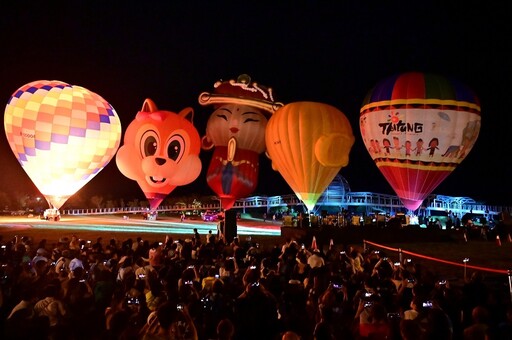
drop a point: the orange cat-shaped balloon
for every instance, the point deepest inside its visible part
(160, 151)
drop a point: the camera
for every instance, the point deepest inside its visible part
(367, 294)
(342, 252)
(410, 280)
(179, 307)
(367, 304)
(442, 282)
(189, 283)
(190, 267)
(466, 260)
(303, 246)
(160, 243)
(217, 276)
(409, 260)
(393, 316)
(336, 285)
(397, 264)
(252, 267)
(384, 259)
(142, 276)
(427, 304)
(132, 300)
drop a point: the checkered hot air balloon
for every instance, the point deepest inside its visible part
(62, 135)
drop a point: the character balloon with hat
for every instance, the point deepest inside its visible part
(236, 132)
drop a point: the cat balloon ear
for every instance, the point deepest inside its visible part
(149, 106)
(187, 113)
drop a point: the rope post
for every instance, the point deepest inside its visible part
(465, 267)
(400, 255)
(510, 283)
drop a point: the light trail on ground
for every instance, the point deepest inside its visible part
(138, 226)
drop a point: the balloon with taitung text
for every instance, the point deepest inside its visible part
(236, 132)
(160, 151)
(418, 128)
(308, 144)
(62, 135)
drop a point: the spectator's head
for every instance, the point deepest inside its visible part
(480, 314)
(410, 330)
(290, 335)
(438, 325)
(78, 272)
(188, 275)
(323, 331)
(167, 313)
(218, 286)
(251, 275)
(51, 290)
(378, 312)
(225, 329)
(229, 265)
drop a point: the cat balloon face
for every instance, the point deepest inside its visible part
(160, 151)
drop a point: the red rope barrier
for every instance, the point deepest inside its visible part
(491, 270)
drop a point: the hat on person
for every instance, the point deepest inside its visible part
(41, 251)
(75, 263)
(38, 258)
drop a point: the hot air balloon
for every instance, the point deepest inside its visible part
(62, 135)
(308, 144)
(236, 131)
(417, 128)
(160, 151)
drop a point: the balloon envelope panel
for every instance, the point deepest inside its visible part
(418, 128)
(62, 135)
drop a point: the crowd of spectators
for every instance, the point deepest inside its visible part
(204, 288)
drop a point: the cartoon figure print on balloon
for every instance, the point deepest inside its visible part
(236, 132)
(160, 151)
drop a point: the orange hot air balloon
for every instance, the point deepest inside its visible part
(308, 143)
(417, 128)
(62, 135)
(160, 151)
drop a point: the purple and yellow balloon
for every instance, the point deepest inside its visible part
(62, 135)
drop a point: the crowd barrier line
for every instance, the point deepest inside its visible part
(403, 251)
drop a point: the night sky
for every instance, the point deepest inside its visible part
(332, 52)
